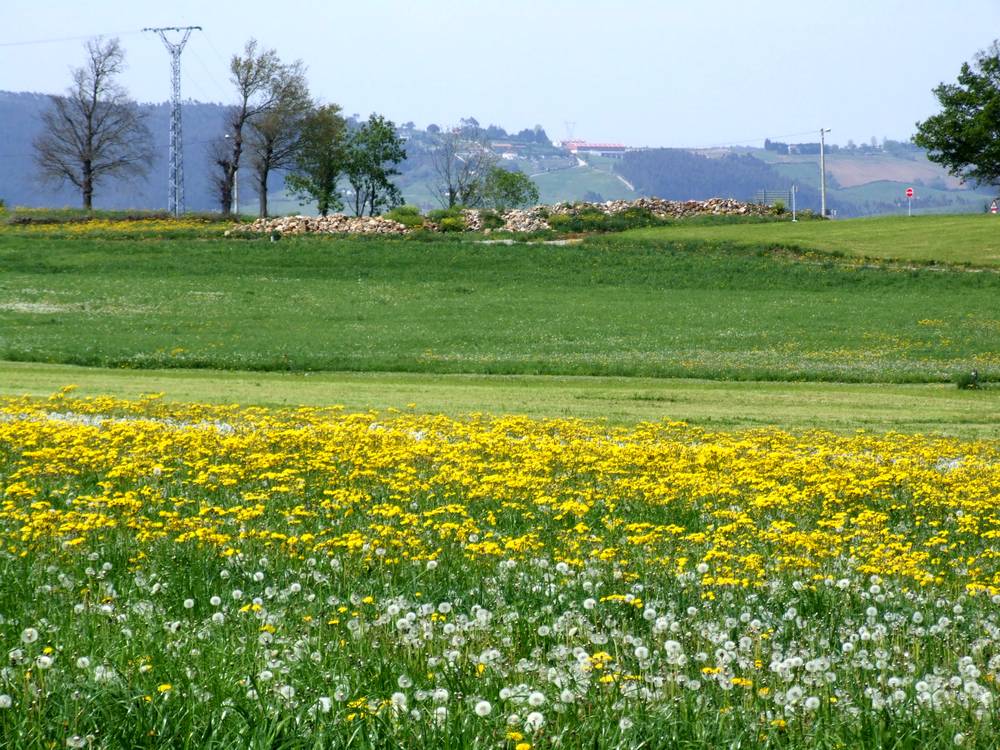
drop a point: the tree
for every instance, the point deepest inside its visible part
(504, 189)
(320, 159)
(273, 138)
(373, 151)
(965, 135)
(256, 76)
(461, 167)
(95, 131)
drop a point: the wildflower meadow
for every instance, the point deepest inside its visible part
(207, 576)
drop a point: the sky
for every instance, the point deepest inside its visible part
(642, 72)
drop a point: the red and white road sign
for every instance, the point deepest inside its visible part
(993, 207)
(909, 192)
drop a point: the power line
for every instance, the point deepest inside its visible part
(212, 77)
(67, 38)
(158, 146)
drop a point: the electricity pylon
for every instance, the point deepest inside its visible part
(175, 170)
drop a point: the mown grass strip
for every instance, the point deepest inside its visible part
(839, 407)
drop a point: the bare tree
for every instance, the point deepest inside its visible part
(274, 134)
(255, 76)
(95, 131)
(461, 166)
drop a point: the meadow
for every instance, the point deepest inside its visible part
(654, 304)
(205, 576)
(618, 401)
(545, 542)
(972, 239)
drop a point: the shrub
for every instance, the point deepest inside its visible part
(408, 216)
(635, 216)
(561, 222)
(592, 221)
(778, 207)
(452, 224)
(439, 214)
(967, 381)
(491, 219)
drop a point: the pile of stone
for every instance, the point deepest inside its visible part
(514, 220)
(333, 224)
(665, 209)
(526, 219)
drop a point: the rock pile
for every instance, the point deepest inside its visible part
(665, 209)
(526, 219)
(333, 224)
(515, 220)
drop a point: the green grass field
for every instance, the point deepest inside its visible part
(635, 305)
(841, 407)
(968, 239)
(187, 572)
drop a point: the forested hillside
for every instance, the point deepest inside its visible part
(679, 174)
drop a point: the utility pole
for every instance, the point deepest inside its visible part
(175, 170)
(822, 171)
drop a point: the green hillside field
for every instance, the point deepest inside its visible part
(965, 239)
(702, 302)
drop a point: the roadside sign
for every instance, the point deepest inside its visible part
(993, 207)
(909, 201)
(909, 192)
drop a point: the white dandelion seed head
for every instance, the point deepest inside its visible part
(483, 708)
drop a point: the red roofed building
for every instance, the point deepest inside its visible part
(614, 150)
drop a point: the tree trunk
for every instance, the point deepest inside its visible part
(88, 187)
(262, 174)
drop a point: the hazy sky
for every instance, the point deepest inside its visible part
(640, 72)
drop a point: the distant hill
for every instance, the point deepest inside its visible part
(861, 181)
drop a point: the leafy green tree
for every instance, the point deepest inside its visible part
(965, 135)
(320, 159)
(274, 133)
(373, 152)
(504, 189)
(257, 77)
